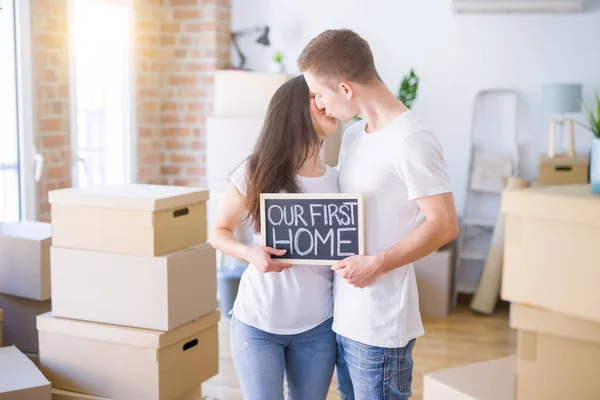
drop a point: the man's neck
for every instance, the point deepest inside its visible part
(379, 107)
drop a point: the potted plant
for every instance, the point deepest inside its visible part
(407, 93)
(277, 63)
(593, 124)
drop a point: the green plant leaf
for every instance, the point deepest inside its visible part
(592, 115)
(409, 87)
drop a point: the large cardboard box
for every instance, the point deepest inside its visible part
(557, 355)
(435, 274)
(20, 379)
(146, 220)
(489, 380)
(244, 93)
(551, 249)
(128, 363)
(18, 326)
(230, 140)
(160, 293)
(58, 394)
(25, 259)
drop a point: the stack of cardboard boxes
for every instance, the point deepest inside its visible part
(550, 275)
(134, 294)
(24, 282)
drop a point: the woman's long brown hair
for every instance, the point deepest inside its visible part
(286, 141)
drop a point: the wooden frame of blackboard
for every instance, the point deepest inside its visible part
(313, 196)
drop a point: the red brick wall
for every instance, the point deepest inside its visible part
(187, 43)
(149, 19)
(178, 46)
(50, 67)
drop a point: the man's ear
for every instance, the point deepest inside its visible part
(347, 90)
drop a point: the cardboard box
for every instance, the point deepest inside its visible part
(230, 141)
(146, 220)
(489, 380)
(35, 358)
(557, 355)
(434, 280)
(128, 363)
(18, 326)
(58, 394)
(564, 170)
(20, 379)
(160, 293)
(551, 249)
(244, 93)
(25, 259)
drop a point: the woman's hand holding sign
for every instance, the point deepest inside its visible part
(260, 257)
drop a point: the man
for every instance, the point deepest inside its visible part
(399, 168)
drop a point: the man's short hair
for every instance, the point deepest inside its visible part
(337, 55)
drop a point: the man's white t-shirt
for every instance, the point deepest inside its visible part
(392, 168)
(296, 299)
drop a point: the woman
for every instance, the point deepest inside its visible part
(281, 320)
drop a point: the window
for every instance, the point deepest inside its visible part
(100, 91)
(10, 179)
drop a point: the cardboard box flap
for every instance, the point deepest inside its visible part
(489, 380)
(58, 394)
(131, 197)
(18, 371)
(575, 203)
(26, 230)
(125, 335)
(533, 319)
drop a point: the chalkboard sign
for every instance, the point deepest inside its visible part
(313, 228)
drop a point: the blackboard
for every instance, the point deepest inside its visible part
(313, 228)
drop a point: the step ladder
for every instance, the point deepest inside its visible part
(494, 155)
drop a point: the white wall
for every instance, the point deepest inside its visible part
(454, 55)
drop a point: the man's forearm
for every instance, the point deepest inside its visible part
(425, 239)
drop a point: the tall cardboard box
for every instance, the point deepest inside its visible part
(244, 93)
(146, 220)
(551, 249)
(20, 379)
(557, 355)
(25, 259)
(128, 363)
(435, 274)
(489, 380)
(159, 293)
(19, 325)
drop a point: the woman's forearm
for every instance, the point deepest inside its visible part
(225, 241)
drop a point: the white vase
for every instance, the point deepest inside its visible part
(276, 67)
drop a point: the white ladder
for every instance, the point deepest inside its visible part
(494, 154)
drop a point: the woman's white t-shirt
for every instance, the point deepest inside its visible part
(296, 299)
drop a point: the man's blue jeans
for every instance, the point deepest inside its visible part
(374, 373)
